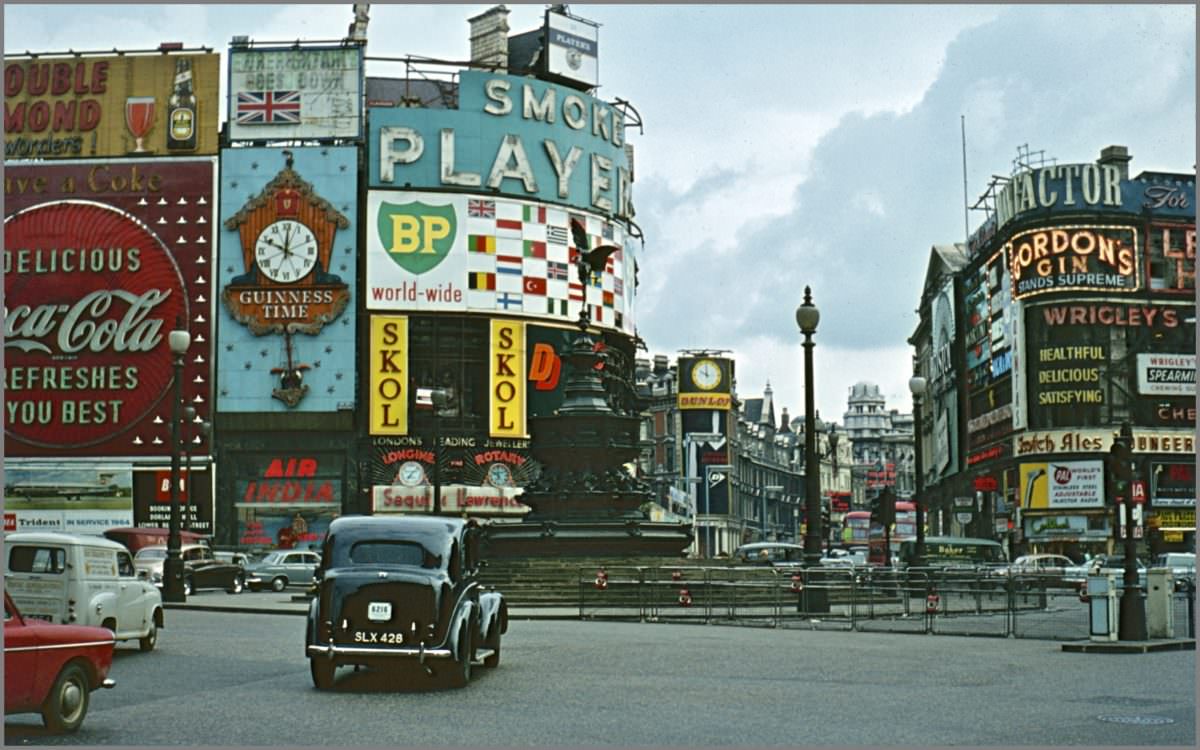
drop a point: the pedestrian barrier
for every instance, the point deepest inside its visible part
(934, 601)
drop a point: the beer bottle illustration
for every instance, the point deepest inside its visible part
(181, 110)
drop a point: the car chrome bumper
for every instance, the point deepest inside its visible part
(108, 683)
(421, 653)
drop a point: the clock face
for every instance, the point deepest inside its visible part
(706, 374)
(498, 475)
(286, 251)
(411, 474)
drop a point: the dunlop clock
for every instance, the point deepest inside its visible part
(706, 374)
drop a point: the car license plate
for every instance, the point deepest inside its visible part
(379, 611)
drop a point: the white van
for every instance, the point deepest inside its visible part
(75, 579)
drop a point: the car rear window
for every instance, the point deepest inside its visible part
(393, 553)
(24, 559)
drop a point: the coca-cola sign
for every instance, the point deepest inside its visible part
(101, 262)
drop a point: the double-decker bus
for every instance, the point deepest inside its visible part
(903, 529)
(856, 528)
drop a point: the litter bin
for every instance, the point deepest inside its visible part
(1102, 606)
(1160, 590)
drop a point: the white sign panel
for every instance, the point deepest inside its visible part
(1166, 374)
(571, 49)
(455, 499)
(1076, 484)
(67, 521)
(285, 93)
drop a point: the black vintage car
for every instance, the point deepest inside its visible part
(403, 591)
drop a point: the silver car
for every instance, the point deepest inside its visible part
(281, 568)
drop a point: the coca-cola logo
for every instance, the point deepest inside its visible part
(90, 295)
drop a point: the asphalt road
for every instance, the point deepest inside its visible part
(237, 679)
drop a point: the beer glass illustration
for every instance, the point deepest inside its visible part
(139, 118)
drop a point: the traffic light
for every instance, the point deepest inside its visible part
(1120, 467)
(887, 507)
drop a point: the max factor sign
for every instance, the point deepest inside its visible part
(1064, 186)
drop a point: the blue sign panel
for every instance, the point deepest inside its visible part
(510, 135)
(286, 279)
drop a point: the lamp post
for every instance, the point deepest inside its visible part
(807, 317)
(1132, 625)
(832, 437)
(439, 397)
(178, 340)
(916, 385)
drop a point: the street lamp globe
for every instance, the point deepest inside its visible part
(807, 314)
(916, 385)
(179, 341)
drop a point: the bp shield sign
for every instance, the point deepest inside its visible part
(416, 236)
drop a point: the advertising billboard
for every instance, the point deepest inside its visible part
(1062, 485)
(290, 93)
(460, 253)
(1074, 258)
(572, 48)
(50, 496)
(112, 105)
(512, 135)
(102, 259)
(286, 279)
(705, 383)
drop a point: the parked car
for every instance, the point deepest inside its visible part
(769, 553)
(1182, 565)
(136, 537)
(52, 669)
(237, 558)
(282, 568)
(75, 579)
(1115, 564)
(394, 591)
(1042, 569)
(200, 569)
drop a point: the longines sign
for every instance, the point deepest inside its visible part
(1094, 441)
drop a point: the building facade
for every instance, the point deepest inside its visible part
(1072, 313)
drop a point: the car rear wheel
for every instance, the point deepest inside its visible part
(460, 673)
(238, 584)
(278, 584)
(322, 672)
(67, 703)
(150, 639)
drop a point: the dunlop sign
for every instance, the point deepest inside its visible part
(389, 375)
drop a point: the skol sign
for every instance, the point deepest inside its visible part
(507, 379)
(389, 375)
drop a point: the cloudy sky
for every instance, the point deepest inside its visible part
(789, 145)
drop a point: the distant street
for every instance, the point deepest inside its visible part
(233, 679)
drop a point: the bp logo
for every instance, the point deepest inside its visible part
(415, 235)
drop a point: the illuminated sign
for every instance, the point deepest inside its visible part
(291, 480)
(1173, 484)
(512, 135)
(1069, 374)
(1094, 441)
(1108, 314)
(571, 48)
(1167, 374)
(293, 93)
(443, 252)
(1094, 258)
(507, 379)
(705, 383)
(99, 265)
(117, 105)
(1171, 255)
(389, 375)
(1066, 186)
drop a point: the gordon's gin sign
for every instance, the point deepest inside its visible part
(92, 290)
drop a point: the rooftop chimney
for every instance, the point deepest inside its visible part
(489, 38)
(1118, 155)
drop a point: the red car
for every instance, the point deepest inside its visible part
(52, 669)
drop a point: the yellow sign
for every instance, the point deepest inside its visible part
(117, 105)
(389, 375)
(506, 382)
(1183, 520)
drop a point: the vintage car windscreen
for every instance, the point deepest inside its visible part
(393, 553)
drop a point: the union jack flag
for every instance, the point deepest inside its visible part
(481, 208)
(268, 107)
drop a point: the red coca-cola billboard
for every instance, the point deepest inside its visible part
(102, 259)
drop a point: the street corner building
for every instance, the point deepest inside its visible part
(1069, 312)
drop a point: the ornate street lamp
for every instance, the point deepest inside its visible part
(440, 398)
(807, 317)
(178, 340)
(916, 385)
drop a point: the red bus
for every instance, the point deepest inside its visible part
(856, 528)
(903, 529)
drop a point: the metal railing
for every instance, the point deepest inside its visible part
(938, 601)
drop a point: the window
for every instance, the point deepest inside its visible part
(450, 353)
(125, 565)
(37, 560)
(393, 553)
